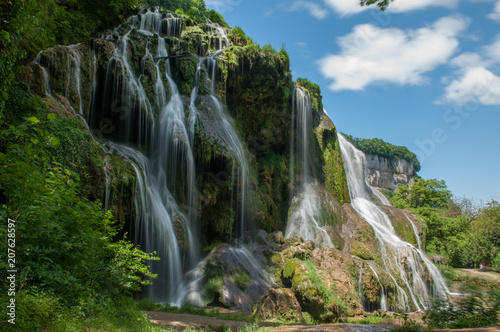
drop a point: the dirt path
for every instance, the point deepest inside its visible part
(482, 274)
(183, 321)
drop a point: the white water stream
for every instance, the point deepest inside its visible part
(416, 279)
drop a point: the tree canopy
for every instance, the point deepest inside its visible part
(380, 147)
(423, 193)
(382, 4)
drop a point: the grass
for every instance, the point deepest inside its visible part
(370, 320)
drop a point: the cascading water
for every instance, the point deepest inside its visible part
(165, 199)
(407, 266)
(216, 30)
(167, 177)
(240, 171)
(303, 219)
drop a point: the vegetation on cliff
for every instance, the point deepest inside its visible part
(379, 147)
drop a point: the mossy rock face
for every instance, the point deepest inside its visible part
(258, 96)
(278, 305)
(316, 99)
(121, 186)
(63, 64)
(235, 276)
(257, 87)
(323, 210)
(320, 279)
(360, 250)
(333, 167)
(402, 224)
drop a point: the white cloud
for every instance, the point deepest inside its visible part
(493, 50)
(467, 60)
(373, 55)
(496, 12)
(477, 84)
(473, 81)
(313, 8)
(349, 7)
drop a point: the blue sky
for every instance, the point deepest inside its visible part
(424, 74)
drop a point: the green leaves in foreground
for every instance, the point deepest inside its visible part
(469, 312)
(64, 242)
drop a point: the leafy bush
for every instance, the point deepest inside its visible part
(496, 262)
(66, 248)
(469, 312)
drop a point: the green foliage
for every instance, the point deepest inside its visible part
(314, 92)
(239, 37)
(469, 312)
(407, 324)
(379, 147)
(496, 262)
(68, 252)
(215, 17)
(422, 193)
(381, 4)
(333, 167)
(11, 28)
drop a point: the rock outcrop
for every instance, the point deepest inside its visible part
(280, 303)
(388, 173)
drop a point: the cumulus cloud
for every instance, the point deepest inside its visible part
(495, 15)
(350, 7)
(477, 84)
(473, 81)
(370, 54)
(493, 50)
(313, 8)
(467, 60)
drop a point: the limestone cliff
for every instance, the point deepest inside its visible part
(387, 173)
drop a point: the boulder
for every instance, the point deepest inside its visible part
(278, 304)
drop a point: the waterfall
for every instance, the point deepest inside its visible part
(415, 230)
(304, 217)
(165, 202)
(407, 266)
(240, 172)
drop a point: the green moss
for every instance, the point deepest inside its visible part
(241, 279)
(333, 166)
(359, 249)
(122, 179)
(214, 280)
(315, 93)
(315, 298)
(187, 70)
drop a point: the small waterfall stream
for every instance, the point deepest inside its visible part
(407, 266)
(303, 219)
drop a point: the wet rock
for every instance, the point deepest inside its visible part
(237, 276)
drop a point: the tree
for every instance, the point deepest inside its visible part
(382, 4)
(423, 193)
(469, 207)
